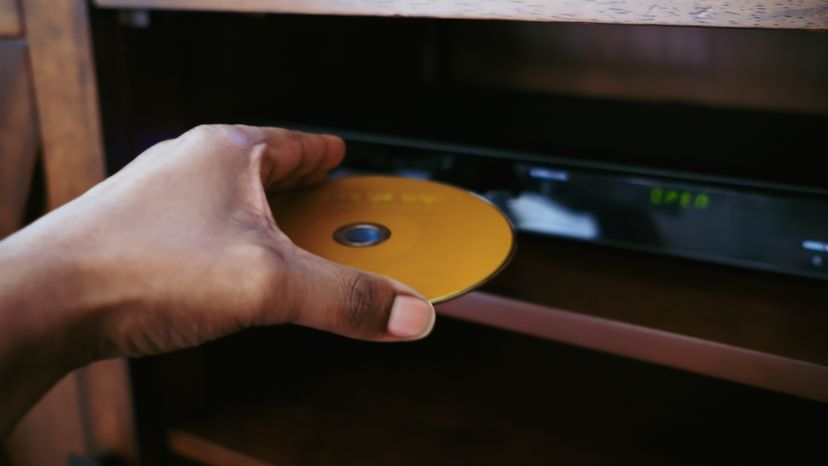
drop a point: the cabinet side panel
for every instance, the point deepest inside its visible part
(18, 134)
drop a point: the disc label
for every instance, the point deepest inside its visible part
(441, 240)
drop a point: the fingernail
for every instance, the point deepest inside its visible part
(410, 317)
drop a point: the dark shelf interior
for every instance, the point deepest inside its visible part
(467, 395)
(762, 311)
(399, 76)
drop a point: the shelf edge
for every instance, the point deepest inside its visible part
(203, 451)
(809, 14)
(746, 366)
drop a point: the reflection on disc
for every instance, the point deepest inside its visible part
(441, 240)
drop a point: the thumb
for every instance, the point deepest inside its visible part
(343, 300)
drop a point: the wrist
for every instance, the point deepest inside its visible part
(46, 321)
(49, 303)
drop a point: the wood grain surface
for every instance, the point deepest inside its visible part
(18, 134)
(468, 394)
(50, 432)
(757, 311)
(205, 452)
(691, 354)
(747, 68)
(107, 397)
(89, 412)
(795, 14)
(65, 92)
(10, 24)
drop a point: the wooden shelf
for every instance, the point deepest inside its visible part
(805, 14)
(750, 327)
(478, 394)
(670, 349)
(471, 393)
(468, 395)
(10, 23)
(18, 134)
(761, 311)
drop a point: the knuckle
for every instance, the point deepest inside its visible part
(291, 144)
(237, 135)
(289, 155)
(367, 305)
(314, 153)
(202, 132)
(291, 141)
(162, 144)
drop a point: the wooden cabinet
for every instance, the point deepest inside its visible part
(10, 22)
(576, 353)
(49, 111)
(808, 14)
(470, 394)
(18, 134)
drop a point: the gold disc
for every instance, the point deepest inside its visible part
(440, 240)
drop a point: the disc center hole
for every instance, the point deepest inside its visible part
(360, 235)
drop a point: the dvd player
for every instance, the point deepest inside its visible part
(742, 223)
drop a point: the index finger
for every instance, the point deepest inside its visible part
(295, 158)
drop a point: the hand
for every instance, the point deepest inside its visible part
(180, 247)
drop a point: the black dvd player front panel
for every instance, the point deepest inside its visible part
(736, 222)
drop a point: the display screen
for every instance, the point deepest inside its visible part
(777, 228)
